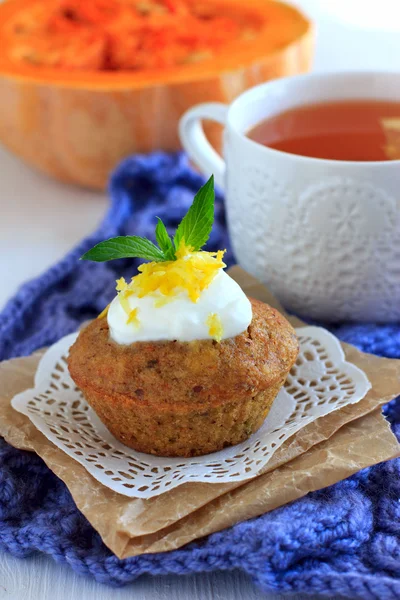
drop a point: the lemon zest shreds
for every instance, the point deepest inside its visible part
(121, 284)
(104, 312)
(123, 298)
(191, 272)
(183, 250)
(133, 317)
(214, 325)
(162, 301)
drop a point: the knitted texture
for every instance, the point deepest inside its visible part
(343, 540)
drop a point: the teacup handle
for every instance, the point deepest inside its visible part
(195, 142)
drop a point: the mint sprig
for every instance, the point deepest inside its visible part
(124, 247)
(194, 230)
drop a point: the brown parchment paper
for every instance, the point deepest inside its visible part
(326, 451)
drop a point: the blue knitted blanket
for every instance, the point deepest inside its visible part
(342, 540)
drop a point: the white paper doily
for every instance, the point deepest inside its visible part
(320, 382)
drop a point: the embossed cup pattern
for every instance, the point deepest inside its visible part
(323, 235)
(327, 249)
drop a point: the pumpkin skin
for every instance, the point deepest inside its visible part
(76, 126)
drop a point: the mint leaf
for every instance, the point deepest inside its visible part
(164, 241)
(195, 229)
(196, 225)
(124, 247)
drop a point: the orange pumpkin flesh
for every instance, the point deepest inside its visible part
(115, 35)
(76, 125)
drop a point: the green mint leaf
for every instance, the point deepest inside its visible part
(195, 229)
(124, 247)
(164, 241)
(196, 225)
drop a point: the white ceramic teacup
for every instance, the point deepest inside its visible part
(323, 234)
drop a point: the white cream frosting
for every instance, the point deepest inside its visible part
(181, 319)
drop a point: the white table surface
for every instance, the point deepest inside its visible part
(40, 220)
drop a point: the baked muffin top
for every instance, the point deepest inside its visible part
(197, 373)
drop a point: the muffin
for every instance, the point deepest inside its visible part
(185, 398)
(181, 363)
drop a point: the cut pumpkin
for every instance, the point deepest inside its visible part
(76, 118)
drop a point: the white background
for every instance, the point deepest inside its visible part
(41, 220)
